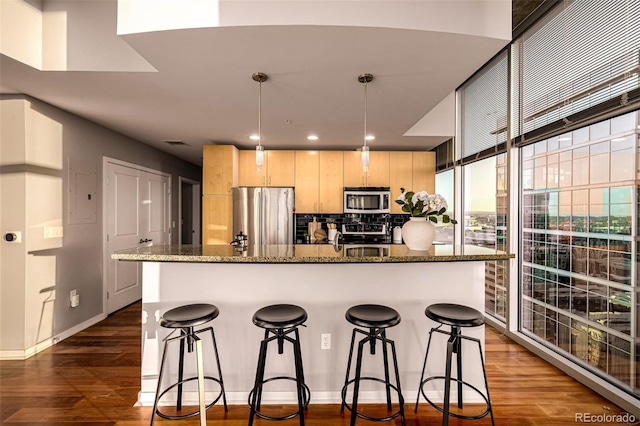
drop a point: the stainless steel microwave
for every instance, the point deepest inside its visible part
(367, 200)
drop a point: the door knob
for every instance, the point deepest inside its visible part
(146, 240)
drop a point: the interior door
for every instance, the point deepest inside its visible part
(137, 214)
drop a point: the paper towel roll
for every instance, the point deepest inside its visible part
(397, 235)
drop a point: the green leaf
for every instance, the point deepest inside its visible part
(433, 219)
(409, 195)
(401, 189)
(455, 222)
(402, 203)
(445, 218)
(406, 208)
(442, 210)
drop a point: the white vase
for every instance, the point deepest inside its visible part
(418, 233)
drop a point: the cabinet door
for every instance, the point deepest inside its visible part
(424, 172)
(331, 182)
(217, 219)
(353, 175)
(219, 169)
(247, 173)
(378, 174)
(400, 176)
(306, 177)
(281, 168)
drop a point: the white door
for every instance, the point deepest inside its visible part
(137, 213)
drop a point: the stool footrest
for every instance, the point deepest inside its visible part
(364, 416)
(194, 413)
(469, 385)
(306, 397)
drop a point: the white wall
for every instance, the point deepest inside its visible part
(37, 143)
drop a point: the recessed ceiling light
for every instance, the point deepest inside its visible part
(370, 137)
(254, 137)
(312, 137)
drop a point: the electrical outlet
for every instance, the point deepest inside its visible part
(325, 341)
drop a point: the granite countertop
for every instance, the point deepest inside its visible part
(309, 253)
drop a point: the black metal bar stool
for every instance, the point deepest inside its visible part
(376, 318)
(185, 319)
(456, 316)
(279, 322)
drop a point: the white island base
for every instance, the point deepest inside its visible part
(325, 291)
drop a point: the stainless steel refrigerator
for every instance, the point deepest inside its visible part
(265, 215)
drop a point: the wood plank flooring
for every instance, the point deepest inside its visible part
(93, 378)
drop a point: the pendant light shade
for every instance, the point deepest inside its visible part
(365, 79)
(260, 78)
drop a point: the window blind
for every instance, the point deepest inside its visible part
(482, 104)
(578, 61)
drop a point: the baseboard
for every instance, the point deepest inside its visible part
(20, 355)
(145, 399)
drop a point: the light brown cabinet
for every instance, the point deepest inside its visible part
(219, 169)
(319, 181)
(217, 219)
(378, 174)
(331, 183)
(424, 171)
(400, 176)
(278, 169)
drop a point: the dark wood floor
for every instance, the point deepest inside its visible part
(93, 378)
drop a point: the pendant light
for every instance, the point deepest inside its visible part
(364, 79)
(260, 78)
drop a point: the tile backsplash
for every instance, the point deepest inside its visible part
(302, 221)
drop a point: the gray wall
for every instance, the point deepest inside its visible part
(74, 261)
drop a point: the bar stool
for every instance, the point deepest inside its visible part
(376, 318)
(185, 319)
(456, 316)
(279, 322)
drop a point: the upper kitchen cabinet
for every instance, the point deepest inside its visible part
(378, 174)
(278, 169)
(219, 170)
(307, 181)
(400, 176)
(319, 181)
(424, 171)
(331, 183)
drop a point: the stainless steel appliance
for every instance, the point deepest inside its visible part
(356, 232)
(356, 250)
(265, 215)
(366, 200)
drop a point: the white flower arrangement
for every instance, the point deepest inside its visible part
(423, 204)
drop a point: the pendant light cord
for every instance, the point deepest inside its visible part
(365, 113)
(259, 113)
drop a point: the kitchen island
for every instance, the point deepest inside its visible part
(324, 280)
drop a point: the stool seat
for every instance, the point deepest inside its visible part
(189, 315)
(279, 316)
(372, 316)
(454, 315)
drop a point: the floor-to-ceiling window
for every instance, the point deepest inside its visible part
(578, 184)
(579, 205)
(573, 86)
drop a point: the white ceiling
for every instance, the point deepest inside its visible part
(200, 89)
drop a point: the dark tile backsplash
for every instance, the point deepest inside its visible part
(302, 221)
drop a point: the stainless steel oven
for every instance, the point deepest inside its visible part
(358, 250)
(367, 200)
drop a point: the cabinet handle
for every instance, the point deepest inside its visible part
(263, 180)
(269, 180)
(228, 187)
(315, 207)
(321, 208)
